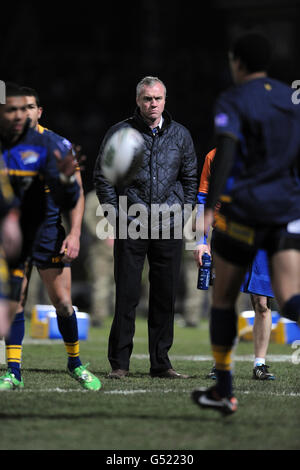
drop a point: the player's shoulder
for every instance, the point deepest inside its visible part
(33, 137)
(54, 137)
(281, 90)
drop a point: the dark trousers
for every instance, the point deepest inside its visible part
(164, 258)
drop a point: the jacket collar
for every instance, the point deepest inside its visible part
(141, 125)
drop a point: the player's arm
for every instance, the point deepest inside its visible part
(71, 245)
(59, 177)
(220, 170)
(202, 245)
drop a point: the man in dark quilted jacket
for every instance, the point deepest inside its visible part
(150, 213)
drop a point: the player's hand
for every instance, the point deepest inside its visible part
(71, 162)
(199, 252)
(11, 235)
(70, 248)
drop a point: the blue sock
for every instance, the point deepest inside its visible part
(13, 344)
(69, 330)
(224, 383)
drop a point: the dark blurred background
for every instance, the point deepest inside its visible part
(85, 59)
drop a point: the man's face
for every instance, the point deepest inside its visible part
(13, 116)
(34, 111)
(151, 102)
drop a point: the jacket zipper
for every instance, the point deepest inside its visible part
(151, 172)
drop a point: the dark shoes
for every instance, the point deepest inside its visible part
(209, 398)
(118, 374)
(168, 374)
(165, 374)
(212, 374)
(261, 372)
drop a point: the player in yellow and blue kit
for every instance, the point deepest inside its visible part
(29, 160)
(257, 283)
(52, 253)
(254, 175)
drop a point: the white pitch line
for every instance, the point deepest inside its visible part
(196, 358)
(143, 391)
(244, 358)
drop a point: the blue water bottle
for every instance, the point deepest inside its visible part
(204, 272)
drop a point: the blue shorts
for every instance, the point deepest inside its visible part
(257, 280)
(46, 249)
(239, 243)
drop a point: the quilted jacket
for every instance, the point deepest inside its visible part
(168, 174)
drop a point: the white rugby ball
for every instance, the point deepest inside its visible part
(122, 156)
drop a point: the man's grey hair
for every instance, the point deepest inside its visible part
(149, 81)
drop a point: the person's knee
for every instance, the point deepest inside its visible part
(261, 306)
(64, 308)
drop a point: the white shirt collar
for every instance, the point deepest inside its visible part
(159, 124)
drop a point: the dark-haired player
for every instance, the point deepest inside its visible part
(255, 177)
(27, 159)
(257, 283)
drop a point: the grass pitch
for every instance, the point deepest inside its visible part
(53, 412)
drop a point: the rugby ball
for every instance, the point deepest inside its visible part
(122, 156)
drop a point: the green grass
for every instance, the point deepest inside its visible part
(54, 413)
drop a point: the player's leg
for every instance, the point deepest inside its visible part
(223, 320)
(12, 379)
(14, 339)
(286, 282)
(58, 284)
(223, 335)
(261, 336)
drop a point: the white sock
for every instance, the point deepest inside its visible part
(259, 361)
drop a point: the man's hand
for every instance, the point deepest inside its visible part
(70, 248)
(199, 252)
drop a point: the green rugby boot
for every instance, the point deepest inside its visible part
(86, 379)
(8, 381)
